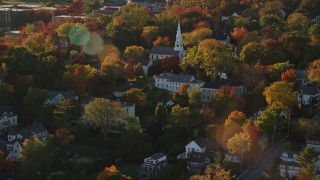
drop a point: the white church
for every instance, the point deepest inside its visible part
(158, 52)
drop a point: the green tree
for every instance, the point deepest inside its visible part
(239, 144)
(194, 59)
(269, 119)
(271, 20)
(194, 95)
(6, 94)
(253, 53)
(37, 157)
(314, 33)
(281, 94)
(33, 104)
(66, 111)
(103, 113)
(297, 22)
(161, 113)
(193, 38)
(132, 125)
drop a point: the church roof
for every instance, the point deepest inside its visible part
(301, 74)
(164, 50)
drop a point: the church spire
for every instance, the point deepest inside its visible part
(178, 45)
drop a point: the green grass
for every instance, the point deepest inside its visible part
(91, 152)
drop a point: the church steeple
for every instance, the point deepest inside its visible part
(178, 45)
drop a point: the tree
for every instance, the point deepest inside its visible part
(217, 57)
(235, 118)
(112, 173)
(194, 95)
(33, 103)
(181, 96)
(314, 71)
(171, 64)
(250, 128)
(268, 121)
(271, 20)
(66, 111)
(134, 52)
(37, 157)
(79, 83)
(239, 33)
(193, 58)
(239, 144)
(271, 7)
(281, 94)
(306, 159)
(132, 125)
(64, 29)
(161, 41)
(76, 8)
(193, 38)
(253, 53)
(31, 43)
(63, 137)
(129, 69)
(59, 175)
(136, 96)
(161, 113)
(314, 33)
(103, 113)
(289, 76)
(138, 71)
(297, 22)
(179, 114)
(112, 67)
(150, 33)
(6, 94)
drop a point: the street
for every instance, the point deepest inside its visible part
(264, 163)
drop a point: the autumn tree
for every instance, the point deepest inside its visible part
(129, 69)
(194, 95)
(297, 22)
(239, 33)
(253, 53)
(31, 43)
(314, 71)
(103, 113)
(112, 173)
(250, 128)
(239, 144)
(33, 103)
(181, 96)
(79, 82)
(235, 117)
(306, 159)
(76, 8)
(136, 96)
(193, 59)
(281, 94)
(63, 136)
(193, 38)
(112, 67)
(134, 52)
(271, 7)
(179, 115)
(150, 33)
(161, 41)
(289, 76)
(171, 64)
(314, 33)
(66, 111)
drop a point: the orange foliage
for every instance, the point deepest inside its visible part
(184, 87)
(129, 69)
(112, 172)
(201, 24)
(79, 83)
(228, 91)
(161, 41)
(239, 33)
(250, 129)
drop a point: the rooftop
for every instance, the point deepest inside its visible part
(216, 84)
(164, 51)
(308, 90)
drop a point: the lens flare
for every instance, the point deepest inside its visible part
(79, 35)
(94, 44)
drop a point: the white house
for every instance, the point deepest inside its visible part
(289, 166)
(55, 97)
(307, 95)
(129, 108)
(15, 139)
(301, 77)
(158, 52)
(313, 141)
(210, 88)
(153, 166)
(172, 82)
(7, 118)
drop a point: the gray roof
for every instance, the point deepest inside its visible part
(52, 94)
(308, 90)
(69, 94)
(207, 143)
(164, 51)
(157, 156)
(180, 78)
(301, 74)
(218, 83)
(5, 109)
(143, 61)
(197, 81)
(37, 128)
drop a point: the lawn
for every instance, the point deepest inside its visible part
(91, 152)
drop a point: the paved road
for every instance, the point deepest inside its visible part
(264, 163)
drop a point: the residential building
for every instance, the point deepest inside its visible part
(153, 166)
(172, 82)
(8, 118)
(55, 97)
(129, 108)
(159, 52)
(301, 77)
(313, 141)
(210, 88)
(308, 95)
(12, 145)
(289, 166)
(11, 17)
(200, 152)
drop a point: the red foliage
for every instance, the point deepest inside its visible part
(228, 91)
(129, 69)
(149, 11)
(3, 46)
(177, 10)
(250, 129)
(201, 24)
(78, 59)
(39, 15)
(244, 2)
(170, 63)
(79, 84)
(289, 75)
(161, 41)
(76, 8)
